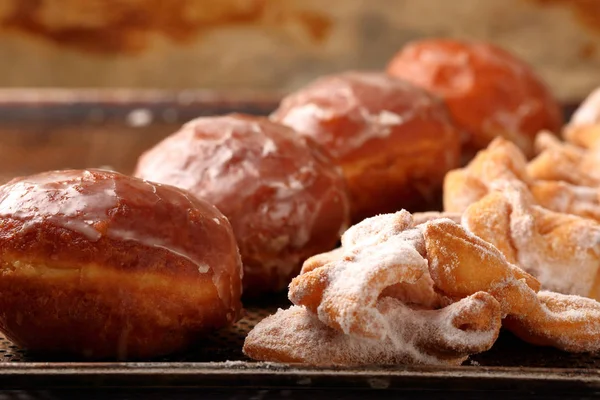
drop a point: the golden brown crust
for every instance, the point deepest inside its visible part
(569, 323)
(489, 92)
(282, 194)
(562, 161)
(94, 313)
(72, 241)
(393, 140)
(502, 162)
(561, 250)
(462, 264)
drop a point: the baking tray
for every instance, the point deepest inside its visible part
(53, 129)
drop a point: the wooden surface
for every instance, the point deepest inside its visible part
(277, 44)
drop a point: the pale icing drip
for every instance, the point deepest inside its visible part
(61, 203)
(265, 178)
(373, 103)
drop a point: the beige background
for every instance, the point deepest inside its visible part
(276, 44)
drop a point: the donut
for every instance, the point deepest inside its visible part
(393, 140)
(100, 265)
(489, 91)
(282, 194)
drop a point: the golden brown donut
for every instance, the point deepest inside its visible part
(489, 91)
(394, 141)
(98, 264)
(282, 194)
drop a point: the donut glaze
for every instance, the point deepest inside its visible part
(284, 197)
(393, 140)
(489, 91)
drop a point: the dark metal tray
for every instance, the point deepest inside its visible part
(53, 129)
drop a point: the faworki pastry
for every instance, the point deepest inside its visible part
(476, 286)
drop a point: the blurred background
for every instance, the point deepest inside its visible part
(141, 68)
(276, 45)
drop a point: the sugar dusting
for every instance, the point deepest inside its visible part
(567, 322)
(500, 161)
(444, 336)
(562, 251)
(377, 253)
(560, 161)
(423, 217)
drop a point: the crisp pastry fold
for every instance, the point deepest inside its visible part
(561, 250)
(444, 336)
(434, 294)
(502, 161)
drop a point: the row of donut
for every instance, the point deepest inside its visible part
(394, 136)
(100, 264)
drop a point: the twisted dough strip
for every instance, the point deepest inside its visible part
(560, 161)
(377, 253)
(445, 336)
(423, 217)
(561, 250)
(419, 218)
(461, 264)
(502, 161)
(570, 323)
(567, 322)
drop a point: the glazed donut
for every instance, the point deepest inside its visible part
(282, 194)
(393, 140)
(101, 265)
(489, 91)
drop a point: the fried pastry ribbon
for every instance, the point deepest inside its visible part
(479, 286)
(373, 301)
(502, 161)
(561, 161)
(567, 322)
(561, 250)
(445, 336)
(376, 254)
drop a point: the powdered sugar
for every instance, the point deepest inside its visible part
(567, 322)
(444, 336)
(562, 251)
(423, 217)
(377, 253)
